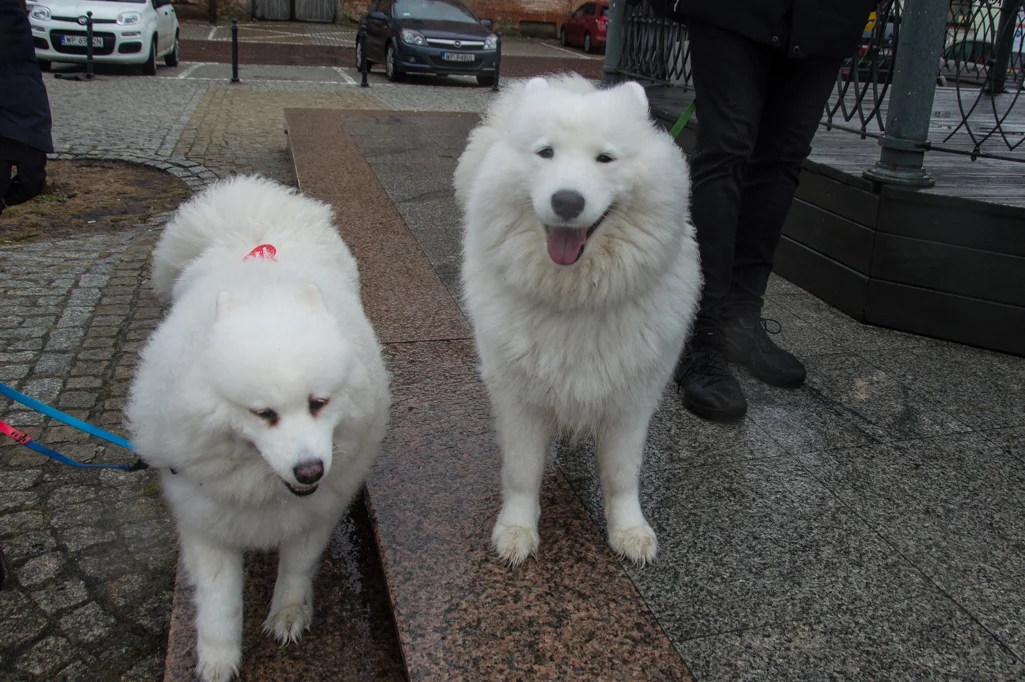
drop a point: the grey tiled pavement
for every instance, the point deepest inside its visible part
(867, 526)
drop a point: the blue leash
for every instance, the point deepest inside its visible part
(34, 404)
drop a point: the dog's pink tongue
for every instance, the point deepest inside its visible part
(565, 244)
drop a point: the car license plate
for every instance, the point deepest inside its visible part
(457, 57)
(80, 41)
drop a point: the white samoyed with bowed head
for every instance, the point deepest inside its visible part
(262, 397)
(581, 279)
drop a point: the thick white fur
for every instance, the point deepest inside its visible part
(256, 335)
(584, 349)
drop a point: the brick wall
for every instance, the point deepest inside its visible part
(505, 13)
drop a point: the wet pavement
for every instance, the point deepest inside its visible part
(865, 525)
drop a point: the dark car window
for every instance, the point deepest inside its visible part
(437, 10)
(605, 11)
(589, 9)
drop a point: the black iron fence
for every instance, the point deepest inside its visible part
(976, 73)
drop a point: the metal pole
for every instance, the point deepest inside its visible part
(1004, 42)
(88, 45)
(919, 46)
(364, 65)
(234, 51)
(615, 39)
(498, 61)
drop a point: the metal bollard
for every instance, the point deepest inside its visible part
(498, 61)
(89, 73)
(364, 65)
(88, 45)
(234, 51)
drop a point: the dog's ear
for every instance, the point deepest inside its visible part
(225, 304)
(537, 83)
(636, 94)
(311, 296)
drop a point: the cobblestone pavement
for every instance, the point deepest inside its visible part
(132, 119)
(235, 130)
(241, 130)
(92, 554)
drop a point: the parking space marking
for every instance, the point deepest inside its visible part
(578, 55)
(189, 71)
(342, 72)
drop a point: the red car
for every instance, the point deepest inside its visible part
(586, 26)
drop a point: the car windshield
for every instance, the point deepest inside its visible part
(436, 10)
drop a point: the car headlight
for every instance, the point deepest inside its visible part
(40, 13)
(413, 37)
(491, 42)
(129, 18)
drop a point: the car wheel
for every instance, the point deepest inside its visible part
(391, 65)
(171, 58)
(149, 67)
(562, 37)
(588, 47)
(44, 65)
(359, 57)
(485, 79)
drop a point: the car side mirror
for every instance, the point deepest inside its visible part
(486, 23)
(380, 16)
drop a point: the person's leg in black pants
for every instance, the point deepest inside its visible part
(30, 177)
(731, 81)
(793, 108)
(757, 114)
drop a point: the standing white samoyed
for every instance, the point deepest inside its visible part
(581, 278)
(262, 398)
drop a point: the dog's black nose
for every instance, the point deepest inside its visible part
(309, 472)
(567, 204)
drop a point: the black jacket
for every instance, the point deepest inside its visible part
(24, 106)
(803, 28)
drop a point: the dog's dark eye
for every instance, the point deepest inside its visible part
(317, 404)
(546, 153)
(268, 415)
(604, 158)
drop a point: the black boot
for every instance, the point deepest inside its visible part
(746, 342)
(709, 389)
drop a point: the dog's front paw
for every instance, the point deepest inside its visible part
(515, 543)
(288, 623)
(218, 662)
(637, 543)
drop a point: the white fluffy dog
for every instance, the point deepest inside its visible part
(262, 397)
(581, 278)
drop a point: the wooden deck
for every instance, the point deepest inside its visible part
(989, 180)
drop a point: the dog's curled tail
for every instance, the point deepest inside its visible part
(237, 214)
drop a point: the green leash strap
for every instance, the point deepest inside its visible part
(682, 122)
